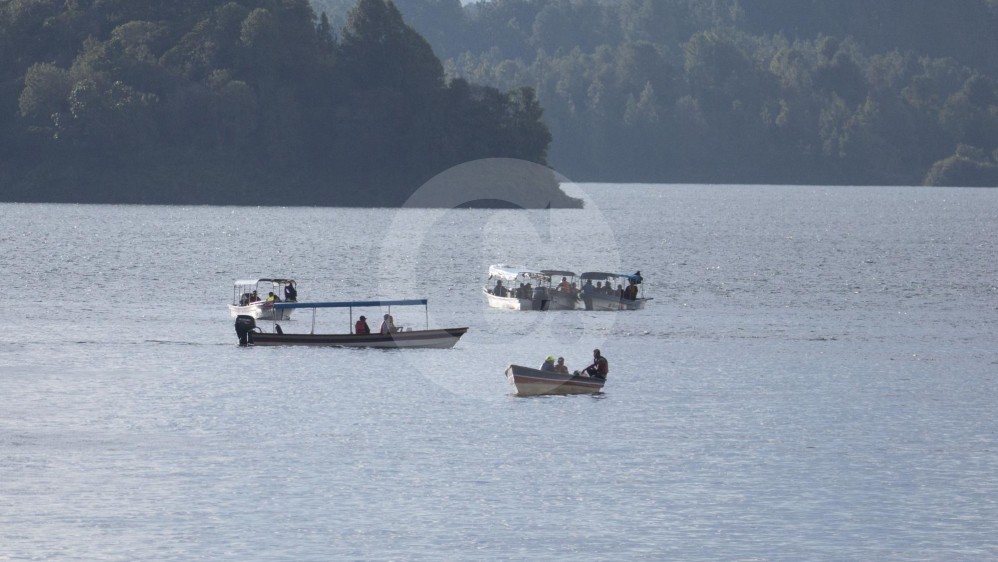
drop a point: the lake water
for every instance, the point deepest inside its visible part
(815, 379)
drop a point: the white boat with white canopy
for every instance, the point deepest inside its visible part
(256, 298)
(517, 288)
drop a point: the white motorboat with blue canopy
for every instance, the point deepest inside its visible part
(609, 293)
(518, 288)
(256, 298)
(393, 338)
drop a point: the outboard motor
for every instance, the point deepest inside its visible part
(244, 325)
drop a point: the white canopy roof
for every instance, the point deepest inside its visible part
(512, 273)
(245, 282)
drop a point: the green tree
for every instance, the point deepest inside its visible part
(379, 50)
(46, 89)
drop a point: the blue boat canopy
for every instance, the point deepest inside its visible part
(350, 304)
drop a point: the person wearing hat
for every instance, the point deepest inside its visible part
(548, 364)
(361, 328)
(599, 368)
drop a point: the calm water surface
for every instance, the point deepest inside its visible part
(815, 379)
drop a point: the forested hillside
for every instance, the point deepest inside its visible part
(341, 102)
(254, 102)
(774, 91)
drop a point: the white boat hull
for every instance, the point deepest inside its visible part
(562, 301)
(508, 303)
(609, 303)
(260, 311)
(553, 300)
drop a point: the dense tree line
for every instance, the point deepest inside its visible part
(775, 91)
(239, 102)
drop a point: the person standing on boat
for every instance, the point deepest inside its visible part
(600, 366)
(290, 293)
(388, 326)
(587, 294)
(361, 328)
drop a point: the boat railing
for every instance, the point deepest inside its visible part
(355, 304)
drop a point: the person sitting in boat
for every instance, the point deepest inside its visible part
(290, 293)
(361, 328)
(271, 298)
(548, 364)
(499, 290)
(254, 297)
(388, 325)
(244, 299)
(560, 366)
(631, 292)
(565, 286)
(599, 368)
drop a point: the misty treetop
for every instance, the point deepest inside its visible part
(239, 102)
(774, 91)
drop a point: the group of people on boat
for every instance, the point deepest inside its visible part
(290, 295)
(524, 291)
(598, 369)
(387, 326)
(567, 287)
(629, 293)
(527, 290)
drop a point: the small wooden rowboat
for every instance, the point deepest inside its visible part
(533, 382)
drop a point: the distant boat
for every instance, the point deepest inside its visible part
(245, 304)
(518, 288)
(564, 294)
(535, 382)
(442, 338)
(613, 299)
